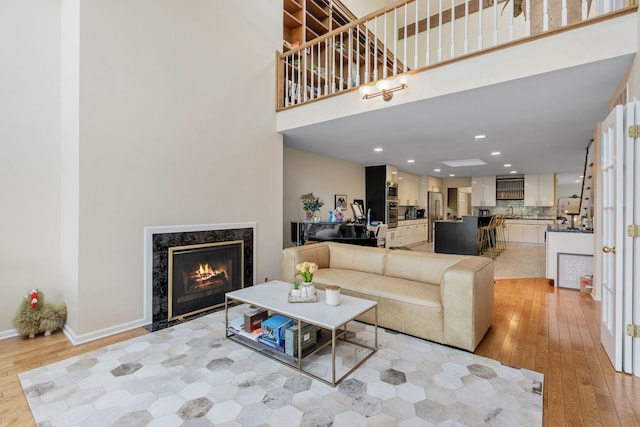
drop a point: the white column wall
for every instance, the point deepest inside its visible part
(145, 113)
(177, 126)
(29, 162)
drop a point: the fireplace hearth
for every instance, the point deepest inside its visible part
(229, 251)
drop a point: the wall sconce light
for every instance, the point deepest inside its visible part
(384, 88)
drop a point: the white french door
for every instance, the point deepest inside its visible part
(632, 244)
(620, 207)
(611, 169)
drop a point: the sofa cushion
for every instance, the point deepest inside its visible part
(358, 258)
(369, 284)
(340, 277)
(402, 290)
(419, 266)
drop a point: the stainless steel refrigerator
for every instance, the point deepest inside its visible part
(434, 211)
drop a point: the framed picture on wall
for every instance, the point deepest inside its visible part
(341, 201)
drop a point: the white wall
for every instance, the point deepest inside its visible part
(176, 126)
(29, 163)
(306, 172)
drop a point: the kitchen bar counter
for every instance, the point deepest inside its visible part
(458, 237)
(566, 229)
(569, 256)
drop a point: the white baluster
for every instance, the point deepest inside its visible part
(312, 73)
(511, 19)
(367, 74)
(495, 23)
(395, 41)
(404, 58)
(428, 59)
(545, 15)
(319, 89)
(564, 13)
(439, 30)
(480, 25)
(585, 10)
(466, 27)
(452, 53)
(415, 39)
(384, 57)
(527, 18)
(375, 49)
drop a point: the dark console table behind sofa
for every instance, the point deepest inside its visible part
(355, 234)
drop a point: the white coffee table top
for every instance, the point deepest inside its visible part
(273, 296)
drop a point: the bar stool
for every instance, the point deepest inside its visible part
(487, 240)
(501, 241)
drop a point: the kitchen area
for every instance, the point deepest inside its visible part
(452, 216)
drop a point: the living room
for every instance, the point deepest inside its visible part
(120, 116)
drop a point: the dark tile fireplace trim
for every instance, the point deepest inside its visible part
(158, 240)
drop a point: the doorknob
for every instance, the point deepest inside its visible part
(607, 249)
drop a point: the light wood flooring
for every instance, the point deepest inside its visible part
(553, 331)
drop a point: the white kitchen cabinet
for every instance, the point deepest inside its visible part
(392, 174)
(531, 232)
(483, 191)
(408, 189)
(407, 233)
(539, 190)
(514, 231)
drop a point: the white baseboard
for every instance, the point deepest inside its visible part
(10, 333)
(76, 339)
(102, 333)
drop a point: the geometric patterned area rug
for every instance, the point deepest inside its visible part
(191, 375)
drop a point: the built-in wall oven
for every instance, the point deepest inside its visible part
(392, 190)
(392, 214)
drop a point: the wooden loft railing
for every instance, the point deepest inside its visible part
(384, 44)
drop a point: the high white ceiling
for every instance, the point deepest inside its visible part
(539, 124)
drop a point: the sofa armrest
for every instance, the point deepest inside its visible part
(467, 302)
(317, 252)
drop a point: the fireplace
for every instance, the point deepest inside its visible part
(178, 248)
(199, 276)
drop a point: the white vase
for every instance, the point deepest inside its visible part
(307, 291)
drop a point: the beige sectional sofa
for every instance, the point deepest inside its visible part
(443, 298)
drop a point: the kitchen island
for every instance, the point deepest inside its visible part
(458, 237)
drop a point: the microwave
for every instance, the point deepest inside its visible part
(392, 191)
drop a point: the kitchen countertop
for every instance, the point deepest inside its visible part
(566, 229)
(528, 218)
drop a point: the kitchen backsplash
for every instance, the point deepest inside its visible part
(516, 208)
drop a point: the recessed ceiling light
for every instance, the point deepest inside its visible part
(436, 170)
(400, 177)
(495, 153)
(479, 138)
(466, 162)
(377, 149)
(513, 172)
(577, 180)
(581, 176)
(410, 161)
(452, 174)
(508, 165)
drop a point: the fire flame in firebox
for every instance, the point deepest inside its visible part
(205, 270)
(205, 277)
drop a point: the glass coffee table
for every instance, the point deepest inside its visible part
(272, 296)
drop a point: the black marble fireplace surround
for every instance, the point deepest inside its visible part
(160, 264)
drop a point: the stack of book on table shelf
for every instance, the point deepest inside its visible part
(277, 332)
(237, 327)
